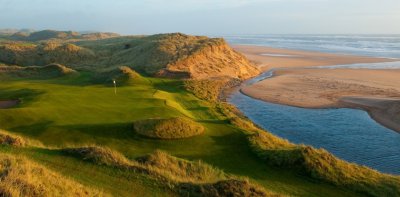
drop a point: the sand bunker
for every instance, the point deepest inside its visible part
(8, 104)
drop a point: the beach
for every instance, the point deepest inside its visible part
(375, 91)
(267, 58)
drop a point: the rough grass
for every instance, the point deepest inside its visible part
(12, 140)
(99, 155)
(171, 128)
(187, 178)
(123, 75)
(231, 187)
(47, 35)
(43, 54)
(35, 72)
(210, 89)
(179, 170)
(22, 177)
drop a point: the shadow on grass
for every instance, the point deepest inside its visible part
(175, 86)
(114, 130)
(32, 130)
(25, 96)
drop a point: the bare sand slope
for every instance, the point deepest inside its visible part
(376, 91)
(8, 104)
(268, 58)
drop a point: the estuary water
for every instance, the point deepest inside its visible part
(347, 133)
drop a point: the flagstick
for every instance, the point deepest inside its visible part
(115, 87)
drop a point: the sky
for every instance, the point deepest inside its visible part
(207, 17)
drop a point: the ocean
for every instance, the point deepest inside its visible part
(367, 45)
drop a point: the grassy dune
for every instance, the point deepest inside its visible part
(171, 128)
(168, 55)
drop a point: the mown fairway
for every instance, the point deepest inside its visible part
(71, 111)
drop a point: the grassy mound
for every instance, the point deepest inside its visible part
(46, 35)
(179, 170)
(159, 164)
(12, 140)
(98, 36)
(123, 75)
(233, 188)
(98, 155)
(51, 34)
(172, 128)
(185, 177)
(26, 54)
(22, 177)
(35, 72)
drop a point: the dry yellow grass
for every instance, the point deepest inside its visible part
(188, 178)
(35, 72)
(22, 177)
(22, 54)
(231, 187)
(99, 155)
(210, 89)
(7, 138)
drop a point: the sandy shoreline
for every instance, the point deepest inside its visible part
(375, 91)
(267, 58)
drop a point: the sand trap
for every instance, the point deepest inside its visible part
(8, 104)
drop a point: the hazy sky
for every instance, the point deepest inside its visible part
(205, 16)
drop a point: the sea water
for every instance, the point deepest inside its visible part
(367, 45)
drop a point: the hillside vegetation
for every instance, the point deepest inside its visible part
(33, 36)
(164, 55)
(23, 177)
(35, 72)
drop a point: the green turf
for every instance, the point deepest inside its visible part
(71, 111)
